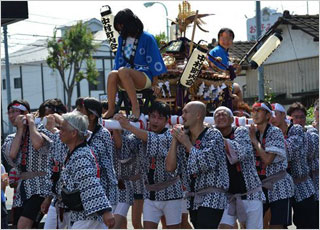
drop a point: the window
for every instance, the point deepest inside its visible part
(100, 81)
(17, 83)
(4, 86)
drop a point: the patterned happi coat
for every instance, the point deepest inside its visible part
(155, 167)
(132, 158)
(103, 147)
(80, 173)
(298, 164)
(35, 161)
(275, 143)
(246, 165)
(124, 170)
(205, 166)
(312, 145)
(153, 154)
(57, 155)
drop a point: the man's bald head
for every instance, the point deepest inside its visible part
(198, 107)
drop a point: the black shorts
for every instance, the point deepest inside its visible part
(304, 214)
(31, 207)
(206, 218)
(280, 212)
(138, 196)
(16, 212)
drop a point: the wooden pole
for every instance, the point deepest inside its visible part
(193, 31)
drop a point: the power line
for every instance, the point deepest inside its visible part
(33, 35)
(46, 36)
(31, 51)
(22, 44)
(43, 23)
(45, 16)
(296, 56)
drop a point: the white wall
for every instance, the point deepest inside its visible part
(296, 44)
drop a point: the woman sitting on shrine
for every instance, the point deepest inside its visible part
(137, 61)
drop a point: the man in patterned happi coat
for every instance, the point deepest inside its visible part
(125, 169)
(298, 114)
(80, 189)
(163, 190)
(130, 173)
(27, 151)
(271, 163)
(198, 151)
(303, 204)
(58, 214)
(246, 197)
(101, 143)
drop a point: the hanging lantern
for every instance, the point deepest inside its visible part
(266, 50)
(107, 19)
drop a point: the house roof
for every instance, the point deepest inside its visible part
(239, 49)
(74, 22)
(307, 23)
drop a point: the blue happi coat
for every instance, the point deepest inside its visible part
(147, 58)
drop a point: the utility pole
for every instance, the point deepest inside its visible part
(5, 34)
(260, 69)
(42, 82)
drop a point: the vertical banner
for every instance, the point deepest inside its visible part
(107, 21)
(193, 67)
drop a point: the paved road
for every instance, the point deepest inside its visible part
(9, 194)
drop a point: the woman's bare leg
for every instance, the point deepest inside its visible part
(112, 88)
(131, 80)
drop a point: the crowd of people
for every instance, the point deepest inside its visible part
(83, 175)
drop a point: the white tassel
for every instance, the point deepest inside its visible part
(160, 84)
(168, 87)
(223, 86)
(201, 89)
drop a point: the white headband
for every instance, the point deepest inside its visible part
(94, 112)
(278, 107)
(261, 105)
(19, 106)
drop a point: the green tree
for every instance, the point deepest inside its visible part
(161, 38)
(268, 94)
(310, 116)
(68, 55)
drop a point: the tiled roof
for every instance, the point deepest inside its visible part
(307, 23)
(239, 49)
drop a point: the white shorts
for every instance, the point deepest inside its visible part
(89, 224)
(184, 206)
(122, 209)
(51, 219)
(254, 210)
(154, 210)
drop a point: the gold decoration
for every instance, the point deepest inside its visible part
(186, 16)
